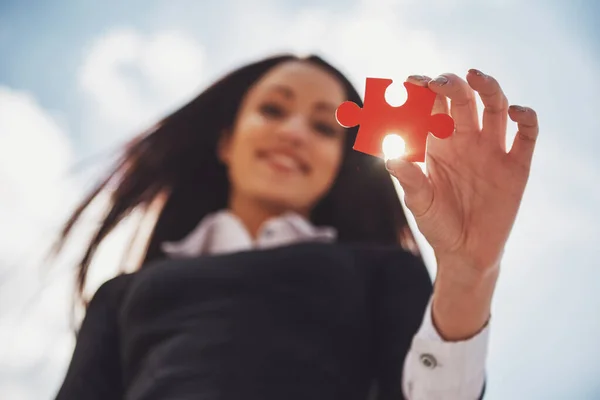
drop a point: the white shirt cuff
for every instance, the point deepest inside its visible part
(436, 369)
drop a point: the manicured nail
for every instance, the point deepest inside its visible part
(518, 108)
(477, 72)
(440, 80)
(419, 78)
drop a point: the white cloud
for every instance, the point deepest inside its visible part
(131, 80)
(364, 39)
(36, 193)
(34, 156)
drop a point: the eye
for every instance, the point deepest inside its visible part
(325, 129)
(272, 110)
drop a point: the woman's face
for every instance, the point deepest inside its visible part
(286, 146)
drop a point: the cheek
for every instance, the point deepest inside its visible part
(329, 156)
(246, 136)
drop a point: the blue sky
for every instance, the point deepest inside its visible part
(79, 77)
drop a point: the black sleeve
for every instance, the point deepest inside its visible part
(95, 369)
(403, 288)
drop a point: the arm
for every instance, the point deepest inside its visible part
(95, 370)
(414, 361)
(465, 204)
(451, 345)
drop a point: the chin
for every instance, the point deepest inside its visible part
(282, 201)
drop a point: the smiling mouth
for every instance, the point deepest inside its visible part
(284, 162)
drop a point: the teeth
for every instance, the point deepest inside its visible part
(284, 160)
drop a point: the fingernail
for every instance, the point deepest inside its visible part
(477, 72)
(440, 80)
(419, 78)
(518, 108)
(388, 166)
(392, 164)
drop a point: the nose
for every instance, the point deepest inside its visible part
(293, 130)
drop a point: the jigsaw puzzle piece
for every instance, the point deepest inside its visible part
(412, 121)
(371, 118)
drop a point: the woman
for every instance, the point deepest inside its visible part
(275, 268)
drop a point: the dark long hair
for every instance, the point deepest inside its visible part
(178, 156)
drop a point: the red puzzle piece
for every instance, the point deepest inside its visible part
(412, 121)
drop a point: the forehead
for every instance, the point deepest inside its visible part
(303, 78)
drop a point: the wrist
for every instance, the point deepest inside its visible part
(462, 299)
(466, 273)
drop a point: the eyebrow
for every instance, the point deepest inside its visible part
(289, 93)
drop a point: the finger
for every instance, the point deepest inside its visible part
(418, 192)
(495, 106)
(440, 106)
(463, 107)
(527, 134)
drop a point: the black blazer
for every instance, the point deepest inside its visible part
(308, 321)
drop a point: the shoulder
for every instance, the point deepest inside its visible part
(110, 293)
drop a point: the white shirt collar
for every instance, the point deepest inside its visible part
(223, 232)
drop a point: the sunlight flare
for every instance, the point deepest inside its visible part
(393, 146)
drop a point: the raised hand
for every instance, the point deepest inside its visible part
(466, 203)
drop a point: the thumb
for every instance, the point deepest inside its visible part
(418, 192)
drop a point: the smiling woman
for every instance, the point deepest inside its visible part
(280, 265)
(285, 149)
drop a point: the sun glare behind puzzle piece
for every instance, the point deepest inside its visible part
(393, 146)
